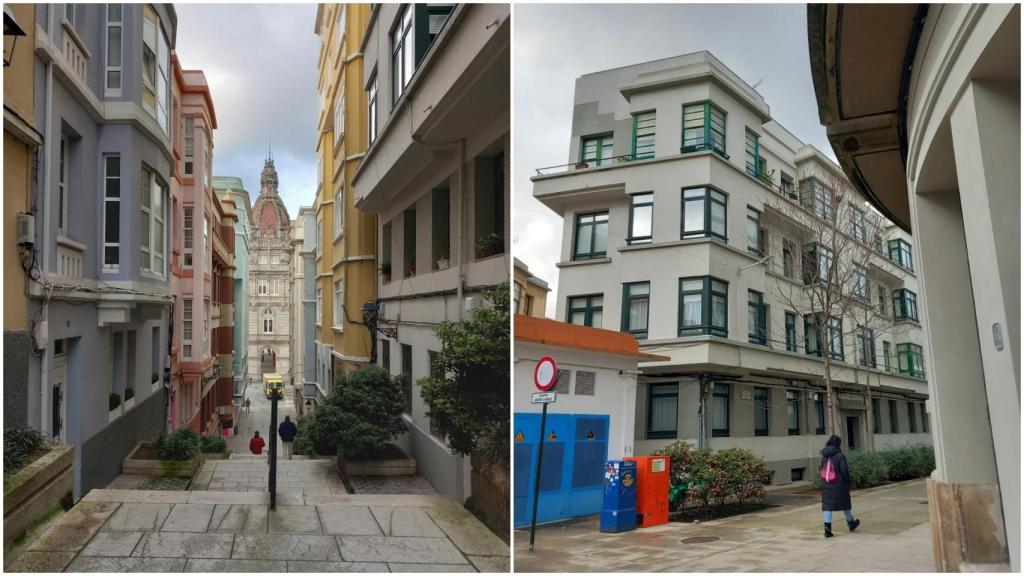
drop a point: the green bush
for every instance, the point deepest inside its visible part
(129, 393)
(715, 479)
(866, 468)
(745, 474)
(213, 444)
(303, 445)
(362, 413)
(19, 443)
(901, 463)
(180, 445)
(115, 401)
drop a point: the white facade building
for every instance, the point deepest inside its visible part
(674, 233)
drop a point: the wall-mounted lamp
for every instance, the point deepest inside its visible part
(11, 29)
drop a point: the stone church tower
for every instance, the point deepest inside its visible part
(270, 281)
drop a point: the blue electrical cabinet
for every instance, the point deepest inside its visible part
(618, 513)
(571, 475)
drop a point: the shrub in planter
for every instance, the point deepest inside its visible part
(324, 428)
(924, 456)
(901, 463)
(115, 401)
(303, 445)
(129, 393)
(180, 445)
(745, 474)
(368, 404)
(866, 468)
(213, 444)
(19, 443)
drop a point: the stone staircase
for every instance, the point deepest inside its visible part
(249, 473)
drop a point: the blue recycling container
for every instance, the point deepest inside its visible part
(618, 513)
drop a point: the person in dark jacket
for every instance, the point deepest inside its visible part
(287, 430)
(835, 495)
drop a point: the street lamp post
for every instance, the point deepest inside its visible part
(276, 392)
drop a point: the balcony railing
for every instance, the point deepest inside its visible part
(587, 164)
(74, 53)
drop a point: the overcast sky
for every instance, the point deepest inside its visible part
(555, 44)
(261, 63)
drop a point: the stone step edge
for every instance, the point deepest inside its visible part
(263, 498)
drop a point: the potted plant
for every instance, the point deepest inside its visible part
(412, 265)
(115, 405)
(154, 378)
(489, 246)
(582, 165)
(442, 261)
(129, 398)
(385, 270)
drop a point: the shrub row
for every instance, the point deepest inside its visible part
(714, 479)
(184, 444)
(873, 468)
(19, 443)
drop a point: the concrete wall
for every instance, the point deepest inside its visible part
(102, 454)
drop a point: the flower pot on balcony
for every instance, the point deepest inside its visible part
(582, 165)
(442, 264)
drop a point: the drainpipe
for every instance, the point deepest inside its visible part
(44, 365)
(702, 405)
(462, 224)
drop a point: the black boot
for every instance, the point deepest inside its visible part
(853, 525)
(828, 529)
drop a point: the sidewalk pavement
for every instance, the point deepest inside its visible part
(895, 536)
(247, 473)
(205, 531)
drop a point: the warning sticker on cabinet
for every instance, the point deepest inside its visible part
(658, 465)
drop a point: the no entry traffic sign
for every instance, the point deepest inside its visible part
(545, 374)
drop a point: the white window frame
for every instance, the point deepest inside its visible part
(339, 28)
(188, 236)
(268, 321)
(206, 325)
(186, 330)
(319, 238)
(156, 247)
(111, 50)
(319, 306)
(339, 212)
(371, 103)
(189, 146)
(69, 13)
(107, 199)
(403, 58)
(339, 305)
(339, 117)
(63, 185)
(261, 288)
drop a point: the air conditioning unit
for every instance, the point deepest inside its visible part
(473, 302)
(26, 226)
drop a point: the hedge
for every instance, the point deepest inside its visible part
(714, 479)
(873, 468)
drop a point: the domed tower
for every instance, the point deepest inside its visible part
(270, 276)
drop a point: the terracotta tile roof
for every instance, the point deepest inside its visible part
(554, 333)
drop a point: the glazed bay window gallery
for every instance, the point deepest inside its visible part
(703, 213)
(586, 310)
(151, 204)
(591, 238)
(703, 128)
(904, 305)
(114, 54)
(703, 307)
(911, 359)
(155, 67)
(641, 214)
(662, 410)
(643, 135)
(636, 304)
(188, 234)
(111, 212)
(899, 252)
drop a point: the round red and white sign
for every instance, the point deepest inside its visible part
(545, 374)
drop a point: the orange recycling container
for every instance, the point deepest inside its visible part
(652, 484)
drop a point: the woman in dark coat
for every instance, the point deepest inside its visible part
(835, 495)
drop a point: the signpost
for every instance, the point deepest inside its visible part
(545, 376)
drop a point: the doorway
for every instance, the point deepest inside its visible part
(60, 376)
(851, 432)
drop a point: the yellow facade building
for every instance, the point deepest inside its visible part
(345, 261)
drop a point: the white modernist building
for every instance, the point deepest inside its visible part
(686, 212)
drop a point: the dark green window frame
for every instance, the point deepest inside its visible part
(787, 259)
(900, 253)
(812, 328)
(720, 393)
(640, 204)
(757, 325)
(787, 185)
(857, 229)
(790, 332)
(911, 359)
(894, 418)
(904, 305)
(793, 411)
(712, 292)
(644, 126)
(817, 198)
(876, 418)
(755, 234)
(761, 411)
(627, 299)
(703, 128)
(912, 416)
(601, 144)
(887, 353)
(866, 346)
(753, 153)
(817, 264)
(924, 419)
(662, 391)
(588, 305)
(594, 220)
(705, 200)
(835, 338)
(860, 282)
(819, 413)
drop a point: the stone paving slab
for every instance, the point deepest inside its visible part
(348, 520)
(184, 545)
(94, 564)
(188, 518)
(399, 549)
(309, 566)
(31, 561)
(234, 565)
(286, 547)
(239, 519)
(431, 568)
(294, 520)
(137, 516)
(76, 528)
(406, 522)
(491, 563)
(464, 531)
(394, 500)
(112, 544)
(142, 496)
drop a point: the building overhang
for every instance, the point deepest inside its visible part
(861, 60)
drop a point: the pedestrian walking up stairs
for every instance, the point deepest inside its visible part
(221, 531)
(249, 473)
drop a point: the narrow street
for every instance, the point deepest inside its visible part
(258, 419)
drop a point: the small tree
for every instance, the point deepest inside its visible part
(834, 237)
(469, 397)
(362, 413)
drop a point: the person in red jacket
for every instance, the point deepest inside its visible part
(256, 444)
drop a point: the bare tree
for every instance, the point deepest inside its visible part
(831, 251)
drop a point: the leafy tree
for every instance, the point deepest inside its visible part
(469, 404)
(362, 413)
